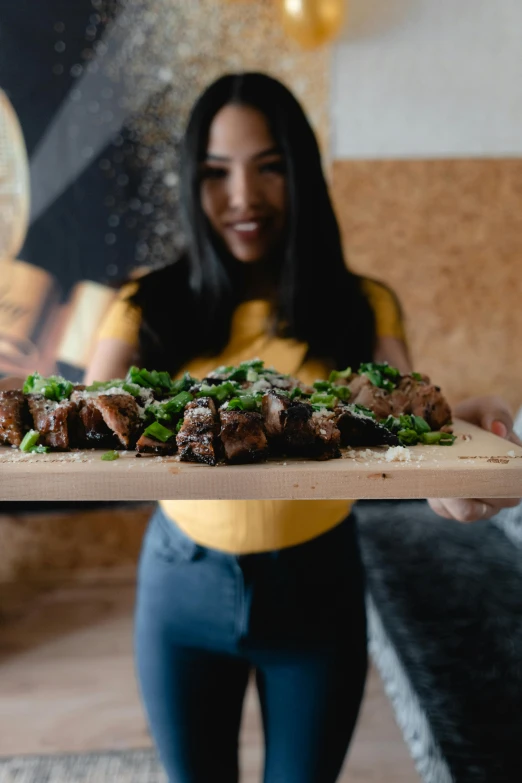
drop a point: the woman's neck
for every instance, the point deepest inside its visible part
(259, 280)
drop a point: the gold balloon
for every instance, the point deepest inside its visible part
(313, 22)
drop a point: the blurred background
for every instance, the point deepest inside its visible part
(418, 108)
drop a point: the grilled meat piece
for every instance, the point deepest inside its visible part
(107, 420)
(198, 439)
(400, 402)
(52, 420)
(121, 414)
(273, 405)
(243, 436)
(147, 445)
(421, 398)
(366, 394)
(14, 417)
(411, 396)
(327, 434)
(309, 433)
(430, 403)
(359, 430)
(91, 430)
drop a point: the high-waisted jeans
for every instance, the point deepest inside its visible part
(206, 619)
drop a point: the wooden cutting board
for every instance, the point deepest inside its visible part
(477, 465)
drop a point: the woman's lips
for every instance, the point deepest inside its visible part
(247, 230)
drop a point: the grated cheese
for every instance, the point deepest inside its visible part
(398, 454)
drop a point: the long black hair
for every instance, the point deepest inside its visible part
(188, 305)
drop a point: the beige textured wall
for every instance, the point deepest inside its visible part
(447, 236)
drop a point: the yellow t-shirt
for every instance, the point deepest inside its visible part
(247, 526)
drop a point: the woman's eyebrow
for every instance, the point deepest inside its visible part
(263, 154)
(267, 153)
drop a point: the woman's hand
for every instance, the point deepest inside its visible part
(492, 414)
(111, 359)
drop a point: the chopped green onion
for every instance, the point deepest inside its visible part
(295, 393)
(110, 455)
(167, 410)
(421, 425)
(160, 382)
(336, 375)
(40, 450)
(381, 375)
(324, 400)
(438, 438)
(183, 384)
(159, 432)
(416, 423)
(221, 392)
(131, 388)
(342, 392)
(240, 373)
(408, 437)
(245, 403)
(102, 385)
(30, 440)
(431, 438)
(447, 439)
(392, 424)
(374, 376)
(115, 383)
(177, 404)
(53, 387)
(323, 386)
(360, 409)
(416, 376)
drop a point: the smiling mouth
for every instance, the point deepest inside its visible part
(246, 226)
(248, 230)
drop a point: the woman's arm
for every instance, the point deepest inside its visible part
(111, 359)
(393, 351)
(6, 384)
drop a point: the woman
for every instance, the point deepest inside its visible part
(230, 587)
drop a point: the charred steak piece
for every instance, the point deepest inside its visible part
(430, 403)
(310, 433)
(421, 398)
(360, 430)
(14, 417)
(52, 420)
(198, 439)
(147, 445)
(273, 405)
(369, 396)
(121, 414)
(107, 420)
(243, 436)
(327, 435)
(91, 430)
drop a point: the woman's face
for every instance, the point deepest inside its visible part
(243, 190)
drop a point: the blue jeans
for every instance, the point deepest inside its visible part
(206, 619)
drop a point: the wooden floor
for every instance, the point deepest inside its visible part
(67, 685)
